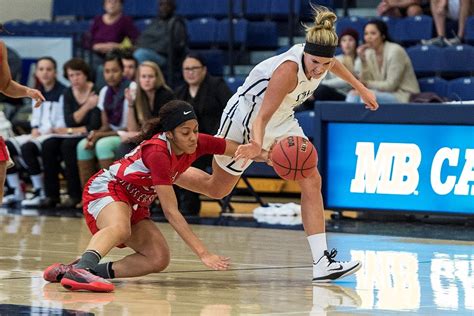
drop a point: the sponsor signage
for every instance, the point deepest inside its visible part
(399, 167)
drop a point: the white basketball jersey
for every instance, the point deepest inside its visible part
(245, 104)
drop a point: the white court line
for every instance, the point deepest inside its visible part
(74, 254)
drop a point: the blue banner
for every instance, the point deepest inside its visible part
(399, 167)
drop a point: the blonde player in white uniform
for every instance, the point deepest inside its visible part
(261, 112)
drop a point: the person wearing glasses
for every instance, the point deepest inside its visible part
(208, 95)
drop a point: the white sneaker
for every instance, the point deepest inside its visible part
(327, 269)
(33, 202)
(328, 297)
(10, 199)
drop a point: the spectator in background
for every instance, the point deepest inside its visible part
(109, 30)
(400, 8)
(101, 143)
(386, 67)
(333, 88)
(26, 149)
(81, 116)
(457, 10)
(208, 95)
(165, 38)
(130, 64)
(145, 101)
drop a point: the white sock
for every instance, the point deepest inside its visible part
(37, 181)
(14, 182)
(318, 245)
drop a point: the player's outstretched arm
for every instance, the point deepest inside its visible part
(367, 96)
(12, 88)
(168, 202)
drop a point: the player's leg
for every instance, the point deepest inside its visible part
(325, 267)
(3, 172)
(216, 185)
(152, 254)
(113, 222)
(226, 172)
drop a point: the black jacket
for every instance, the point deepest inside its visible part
(209, 102)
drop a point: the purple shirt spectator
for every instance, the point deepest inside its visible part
(116, 32)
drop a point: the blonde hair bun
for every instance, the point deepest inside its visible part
(322, 32)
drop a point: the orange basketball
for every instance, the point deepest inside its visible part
(294, 158)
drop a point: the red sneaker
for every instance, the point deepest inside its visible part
(81, 279)
(55, 272)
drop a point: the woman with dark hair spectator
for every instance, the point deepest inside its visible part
(81, 116)
(101, 143)
(26, 149)
(386, 67)
(145, 100)
(208, 95)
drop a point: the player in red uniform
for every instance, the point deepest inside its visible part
(117, 200)
(12, 89)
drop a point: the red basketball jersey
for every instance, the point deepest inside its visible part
(153, 163)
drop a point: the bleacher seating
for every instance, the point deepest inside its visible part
(306, 121)
(202, 32)
(469, 35)
(426, 60)
(141, 8)
(144, 23)
(221, 9)
(89, 8)
(434, 84)
(240, 28)
(280, 9)
(262, 35)
(461, 88)
(355, 22)
(458, 59)
(257, 9)
(234, 82)
(414, 29)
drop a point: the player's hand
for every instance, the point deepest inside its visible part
(368, 97)
(215, 262)
(36, 96)
(248, 151)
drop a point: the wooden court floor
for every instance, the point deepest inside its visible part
(270, 274)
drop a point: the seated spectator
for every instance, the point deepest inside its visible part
(26, 149)
(386, 67)
(81, 116)
(145, 102)
(130, 64)
(101, 143)
(334, 88)
(208, 95)
(400, 8)
(164, 38)
(457, 10)
(109, 30)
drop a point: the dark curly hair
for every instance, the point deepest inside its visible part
(155, 125)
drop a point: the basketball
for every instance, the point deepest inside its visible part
(294, 158)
